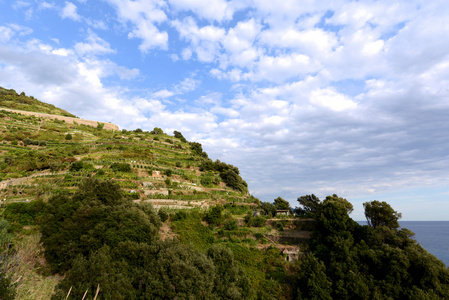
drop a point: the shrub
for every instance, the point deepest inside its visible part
(179, 215)
(76, 166)
(163, 214)
(259, 221)
(121, 167)
(279, 225)
(231, 225)
(68, 137)
(214, 217)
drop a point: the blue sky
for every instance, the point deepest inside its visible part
(324, 97)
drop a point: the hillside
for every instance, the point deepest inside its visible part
(43, 157)
(86, 212)
(10, 99)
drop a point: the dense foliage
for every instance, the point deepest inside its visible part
(228, 173)
(351, 261)
(7, 288)
(100, 238)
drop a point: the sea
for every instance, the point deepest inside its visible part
(431, 235)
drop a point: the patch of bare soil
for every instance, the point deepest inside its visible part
(165, 232)
(142, 173)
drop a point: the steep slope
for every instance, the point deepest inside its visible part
(39, 155)
(10, 99)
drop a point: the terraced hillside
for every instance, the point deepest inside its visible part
(200, 202)
(40, 155)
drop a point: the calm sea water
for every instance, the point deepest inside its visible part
(431, 235)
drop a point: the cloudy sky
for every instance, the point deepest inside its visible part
(324, 97)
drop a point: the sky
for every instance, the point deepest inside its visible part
(324, 97)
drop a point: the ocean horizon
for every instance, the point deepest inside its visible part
(431, 235)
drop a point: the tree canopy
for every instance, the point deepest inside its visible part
(380, 261)
(381, 214)
(308, 205)
(281, 203)
(96, 237)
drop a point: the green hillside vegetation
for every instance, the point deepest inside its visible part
(137, 214)
(10, 99)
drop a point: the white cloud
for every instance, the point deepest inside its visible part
(186, 54)
(329, 98)
(343, 97)
(280, 68)
(69, 12)
(219, 10)
(94, 46)
(10, 30)
(6, 34)
(143, 15)
(163, 94)
(205, 41)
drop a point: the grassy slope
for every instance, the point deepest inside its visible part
(10, 99)
(164, 171)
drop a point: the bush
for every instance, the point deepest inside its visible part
(257, 221)
(163, 214)
(214, 217)
(24, 213)
(179, 215)
(68, 137)
(231, 225)
(279, 225)
(121, 167)
(76, 166)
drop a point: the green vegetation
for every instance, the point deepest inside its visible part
(146, 215)
(350, 261)
(98, 237)
(10, 99)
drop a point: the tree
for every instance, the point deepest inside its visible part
(230, 280)
(309, 205)
(179, 135)
(269, 209)
(280, 203)
(196, 148)
(96, 215)
(157, 130)
(381, 214)
(312, 280)
(340, 200)
(68, 137)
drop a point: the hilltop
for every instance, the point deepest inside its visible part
(11, 99)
